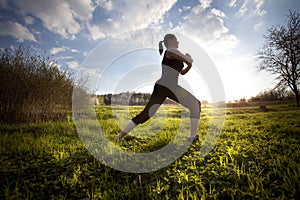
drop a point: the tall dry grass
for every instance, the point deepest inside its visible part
(32, 88)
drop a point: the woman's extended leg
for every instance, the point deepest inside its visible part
(156, 99)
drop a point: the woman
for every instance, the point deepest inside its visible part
(167, 86)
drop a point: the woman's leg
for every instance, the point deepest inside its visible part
(130, 125)
(182, 96)
(156, 99)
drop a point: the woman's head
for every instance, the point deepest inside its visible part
(170, 41)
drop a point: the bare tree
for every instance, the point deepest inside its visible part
(280, 54)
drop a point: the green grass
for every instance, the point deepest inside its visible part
(256, 156)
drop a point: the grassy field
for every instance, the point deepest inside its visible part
(256, 156)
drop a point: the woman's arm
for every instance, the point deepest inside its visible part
(175, 54)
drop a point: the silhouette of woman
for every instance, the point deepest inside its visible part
(167, 86)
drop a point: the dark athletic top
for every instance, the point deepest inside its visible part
(170, 71)
(173, 63)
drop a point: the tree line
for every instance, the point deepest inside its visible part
(129, 98)
(269, 96)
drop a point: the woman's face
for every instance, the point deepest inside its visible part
(173, 43)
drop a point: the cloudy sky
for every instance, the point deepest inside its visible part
(230, 31)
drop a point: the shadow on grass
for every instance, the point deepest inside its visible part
(72, 175)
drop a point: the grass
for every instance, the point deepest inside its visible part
(256, 156)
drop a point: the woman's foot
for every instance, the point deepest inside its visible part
(120, 136)
(194, 137)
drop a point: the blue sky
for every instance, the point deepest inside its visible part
(230, 31)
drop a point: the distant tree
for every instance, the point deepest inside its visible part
(204, 103)
(269, 95)
(280, 54)
(107, 99)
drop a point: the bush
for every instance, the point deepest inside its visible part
(32, 88)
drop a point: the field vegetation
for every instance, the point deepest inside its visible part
(257, 156)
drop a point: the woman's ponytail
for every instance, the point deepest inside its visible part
(160, 47)
(165, 41)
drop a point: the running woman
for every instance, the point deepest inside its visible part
(167, 86)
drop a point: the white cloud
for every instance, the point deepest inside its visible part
(243, 9)
(82, 10)
(65, 57)
(218, 13)
(252, 8)
(208, 29)
(56, 50)
(258, 25)
(73, 64)
(232, 3)
(259, 11)
(57, 16)
(151, 11)
(85, 54)
(186, 7)
(205, 3)
(106, 4)
(130, 15)
(95, 32)
(16, 30)
(74, 50)
(68, 18)
(29, 20)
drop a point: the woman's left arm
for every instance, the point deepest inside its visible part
(185, 70)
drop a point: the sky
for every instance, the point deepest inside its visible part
(75, 33)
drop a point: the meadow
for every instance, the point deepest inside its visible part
(257, 156)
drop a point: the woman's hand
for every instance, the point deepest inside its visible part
(189, 57)
(175, 54)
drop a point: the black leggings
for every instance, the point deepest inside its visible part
(178, 94)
